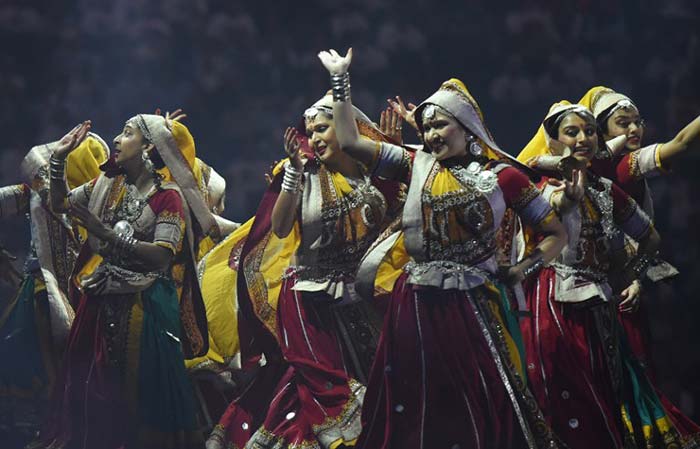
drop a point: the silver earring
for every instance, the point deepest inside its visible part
(147, 161)
(474, 148)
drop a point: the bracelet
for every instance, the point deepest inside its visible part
(534, 268)
(123, 247)
(341, 87)
(119, 250)
(291, 182)
(640, 264)
(57, 168)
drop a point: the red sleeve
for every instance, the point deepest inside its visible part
(170, 219)
(517, 188)
(626, 169)
(523, 196)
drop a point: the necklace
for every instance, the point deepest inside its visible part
(132, 204)
(474, 175)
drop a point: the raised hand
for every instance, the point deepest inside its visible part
(573, 189)
(292, 147)
(176, 116)
(334, 63)
(408, 113)
(390, 123)
(70, 141)
(269, 175)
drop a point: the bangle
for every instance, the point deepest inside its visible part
(291, 182)
(534, 268)
(341, 87)
(640, 264)
(124, 245)
(57, 168)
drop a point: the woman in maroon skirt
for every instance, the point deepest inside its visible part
(630, 165)
(447, 373)
(297, 301)
(588, 384)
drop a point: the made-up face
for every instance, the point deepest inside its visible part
(129, 145)
(322, 139)
(580, 135)
(627, 122)
(444, 135)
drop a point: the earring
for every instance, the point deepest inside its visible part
(474, 148)
(147, 161)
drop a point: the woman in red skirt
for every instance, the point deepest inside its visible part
(448, 372)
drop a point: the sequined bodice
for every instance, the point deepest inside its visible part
(597, 231)
(459, 225)
(338, 230)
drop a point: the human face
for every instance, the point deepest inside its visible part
(129, 145)
(627, 122)
(444, 136)
(322, 138)
(580, 135)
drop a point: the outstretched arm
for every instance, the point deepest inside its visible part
(686, 139)
(343, 117)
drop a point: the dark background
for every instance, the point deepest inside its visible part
(243, 71)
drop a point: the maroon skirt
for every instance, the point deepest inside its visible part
(584, 373)
(308, 398)
(567, 366)
(442, 377)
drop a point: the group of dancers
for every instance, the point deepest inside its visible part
(385, 295)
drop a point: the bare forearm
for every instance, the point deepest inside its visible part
(348, 135)
(149, 256)
(284, 213)
(687, 138)
(553, 241)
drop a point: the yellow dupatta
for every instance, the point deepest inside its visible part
(219, 283)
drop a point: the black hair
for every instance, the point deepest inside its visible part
(603, 117)
(157, 163)
(551, 125)
(154, 156)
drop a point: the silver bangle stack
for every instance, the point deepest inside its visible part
(341, 87)
(123, 247)
(291, 182)
(534, 268)
(57, 168)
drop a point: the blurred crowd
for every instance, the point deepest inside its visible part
(243, 71)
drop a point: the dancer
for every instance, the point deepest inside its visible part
(123, 380)
(447, 372)
(320, 214)
(630, 167)
(593, 393)
(34, 325)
